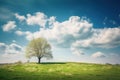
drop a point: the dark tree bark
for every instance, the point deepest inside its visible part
(39, 60)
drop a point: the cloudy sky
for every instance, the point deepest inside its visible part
(78, 30)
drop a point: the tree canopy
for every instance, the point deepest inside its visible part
(39, 48)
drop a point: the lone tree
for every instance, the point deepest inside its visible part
(39, 48)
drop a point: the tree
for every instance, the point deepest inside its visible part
(39, 48)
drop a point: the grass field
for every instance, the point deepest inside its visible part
(59, 71)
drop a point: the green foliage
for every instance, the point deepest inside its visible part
(59, 71)
(39, 48)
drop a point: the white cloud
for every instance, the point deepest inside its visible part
(69, 30)
(13, 48)
(76, 32)
(12, 52)
(98, 55)
(77, 51)
(9, 26)
(19, 17)
(2, 44)
(63, 34)
(38, 19)
(21, 33)
(18, 32)
(103, 38)
(2, 48)
(107, 38)
(51, 21)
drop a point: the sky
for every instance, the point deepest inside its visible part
(78, 30)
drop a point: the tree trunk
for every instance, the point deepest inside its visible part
(39, 60)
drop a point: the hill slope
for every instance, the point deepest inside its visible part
(59, 71)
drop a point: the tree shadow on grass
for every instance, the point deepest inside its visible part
(52, 63)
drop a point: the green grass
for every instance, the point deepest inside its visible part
(59, 71)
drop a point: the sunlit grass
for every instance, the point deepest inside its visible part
(59, 71)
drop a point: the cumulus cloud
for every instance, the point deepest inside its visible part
(18, 32)
(74, 28)
(98, 55)
(19, 17)
(77, 51)
(51, 20)
(2, 48)
(12, 52)
(63, 34)
(76, 33)
(11, 49)
(107, 38)
(103, 38)
(9, 26)
(21, 33)
(38, 18)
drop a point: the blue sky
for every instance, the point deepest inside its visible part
(78, 30)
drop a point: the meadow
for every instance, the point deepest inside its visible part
(59, 71)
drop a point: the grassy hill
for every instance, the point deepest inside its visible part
(59, 71)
